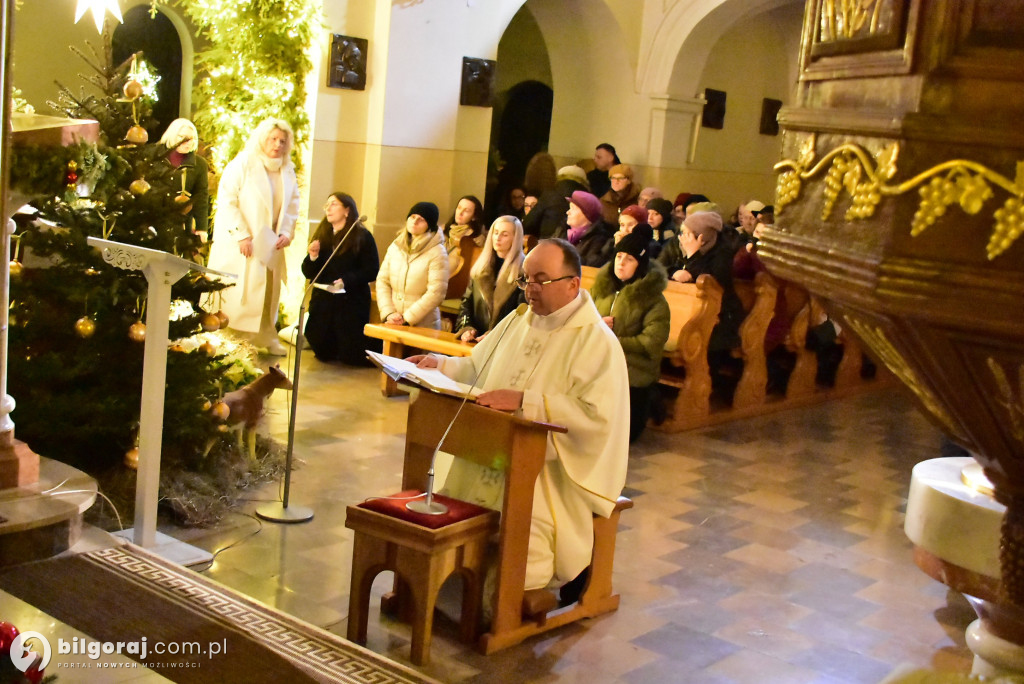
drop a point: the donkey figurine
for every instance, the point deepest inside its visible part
(246, 405)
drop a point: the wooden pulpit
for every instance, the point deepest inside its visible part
(517, 445)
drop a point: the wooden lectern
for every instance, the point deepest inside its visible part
(516, 445)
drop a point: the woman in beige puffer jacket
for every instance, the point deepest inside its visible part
(413, 276)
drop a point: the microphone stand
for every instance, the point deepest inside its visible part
(280, 511)
(428, 505)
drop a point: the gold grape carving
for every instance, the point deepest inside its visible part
(864, 177)
(845, 18)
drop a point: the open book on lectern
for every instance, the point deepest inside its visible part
(429, 378)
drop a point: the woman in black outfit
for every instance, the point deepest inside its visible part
(334, 328)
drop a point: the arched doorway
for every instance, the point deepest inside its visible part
(158, 40)
(522, 124)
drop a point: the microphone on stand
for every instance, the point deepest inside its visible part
(280, 512)
(428, 505)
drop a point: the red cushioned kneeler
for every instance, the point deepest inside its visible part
(394, 506)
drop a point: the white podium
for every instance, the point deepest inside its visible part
(162, 270)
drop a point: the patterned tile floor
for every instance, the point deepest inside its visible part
(769, 550)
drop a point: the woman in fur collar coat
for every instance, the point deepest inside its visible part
(492, 293)
(628, 295)
(413, 277)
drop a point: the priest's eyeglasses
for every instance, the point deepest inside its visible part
(523, 283)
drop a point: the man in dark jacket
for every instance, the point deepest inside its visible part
(604, 159)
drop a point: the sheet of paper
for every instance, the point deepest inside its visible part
(263, 246)
(326, 287)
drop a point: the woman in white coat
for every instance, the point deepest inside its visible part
(257, 206)
(413, 277)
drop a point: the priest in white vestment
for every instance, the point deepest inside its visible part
(559, 363)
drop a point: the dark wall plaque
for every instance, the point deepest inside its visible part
(714, 109)
(348, 63)
(477, 80)
(770, 116)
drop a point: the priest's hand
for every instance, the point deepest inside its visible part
(283, 241)
(502, 399)
(245, 247)
(423, 361)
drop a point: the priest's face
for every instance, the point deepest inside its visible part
(544, 263)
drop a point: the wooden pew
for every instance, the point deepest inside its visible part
(398, 339)
(802, 379)
(694, 311)
(758, 297)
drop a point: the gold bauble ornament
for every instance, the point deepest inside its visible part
(210, 322)
(15, 268)
(85, 327)
(132, 90)
(221, 411)
(176, 348)
(139, 186)
(137, 135)
(223, 318)
(131, 458)
(137, 332)
(207, 405)
(209, 348)
(91, 271)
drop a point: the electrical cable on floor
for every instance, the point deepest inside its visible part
(209, 564)
(50, 492)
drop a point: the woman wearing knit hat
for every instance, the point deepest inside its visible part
(587, 231)
(413, 277)
(628, 295)
(547, 218)
(659, 218)
(631, 217)
(624, 192)
(704, 253)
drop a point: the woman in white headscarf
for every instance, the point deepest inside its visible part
(257, 206)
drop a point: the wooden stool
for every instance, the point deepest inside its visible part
(389, 537)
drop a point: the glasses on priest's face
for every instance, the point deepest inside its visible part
(522, 283)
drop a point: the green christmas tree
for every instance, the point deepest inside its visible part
(75, 349)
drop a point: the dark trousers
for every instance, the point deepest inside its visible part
(640, 399)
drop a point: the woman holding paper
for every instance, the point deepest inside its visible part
(257, 206)
(339, 305)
